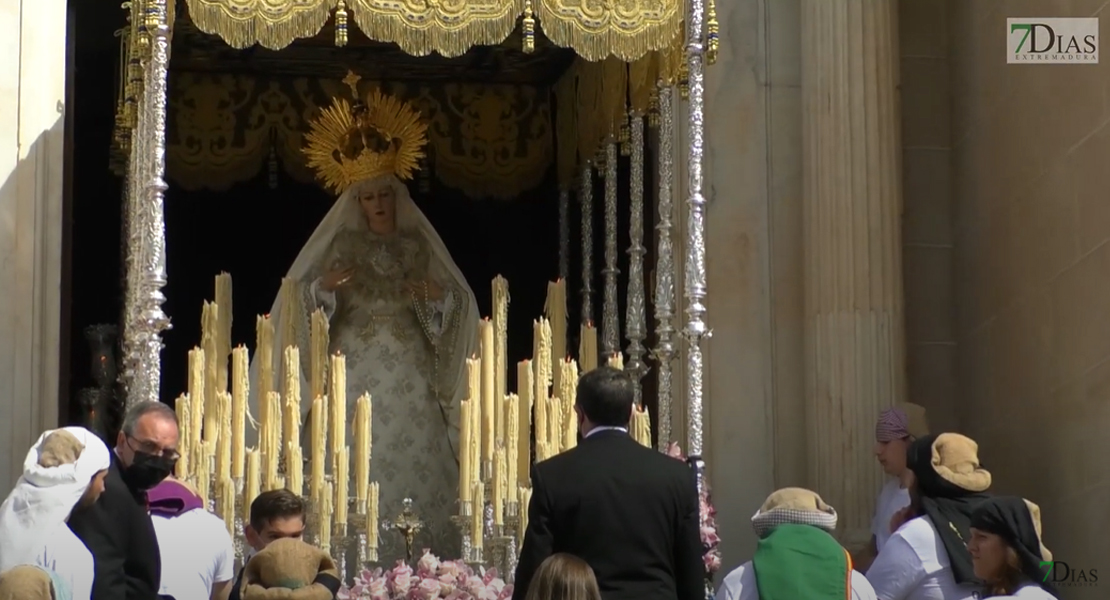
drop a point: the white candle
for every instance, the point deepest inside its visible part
(342, 483)
(253, 483)
(489, 414)
(240, 388)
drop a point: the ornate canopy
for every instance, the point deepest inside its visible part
(625, 29)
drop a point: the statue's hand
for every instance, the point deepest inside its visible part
(333, 279)
(434, 291)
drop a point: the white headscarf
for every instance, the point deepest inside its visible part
(346, 214)
(44, 497)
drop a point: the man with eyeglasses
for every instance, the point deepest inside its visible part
(117, 529)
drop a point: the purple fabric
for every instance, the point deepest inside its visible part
(893, 424)
(170, 499)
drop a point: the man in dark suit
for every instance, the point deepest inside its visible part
(628, 511)
(117, 529)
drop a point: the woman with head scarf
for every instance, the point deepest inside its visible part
(1007, 551)
(63, 475)
(927, 557)
(797, 556)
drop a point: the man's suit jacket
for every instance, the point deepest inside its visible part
(119, 533)
(629, 511)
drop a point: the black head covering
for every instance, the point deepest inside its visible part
(1009, 518)
(947, 505)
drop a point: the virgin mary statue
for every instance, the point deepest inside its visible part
(399, 309)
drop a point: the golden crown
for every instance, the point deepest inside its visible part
(349, 143)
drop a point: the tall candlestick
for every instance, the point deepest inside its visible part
(524, 408)
(477, 519)
(291, 394)
(556, 312)
(569, 395)
(316, 483)
(499, 486)
(294, 468)
(209, 340)
(181, 406)
(240, 388)
(342, 483)
(337, 403)
(500, 322)
(203, 473)
(525, 502)
(489, 413)
(223, 440)
(253, 483)
(225, 503)
(271, 437)
(223, 328)
(324, 515)
(196, 396)
(372, 519)
(539, 400)
(465, 435)
(264, 354)
(587, 348)
(363, 434)
(318, 356)
(512, 449)
(290, 309)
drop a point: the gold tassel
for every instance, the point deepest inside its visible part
(528, 28)
(341, 24)
(684, 81)
(713, 31)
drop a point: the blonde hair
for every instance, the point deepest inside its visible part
(564, 577)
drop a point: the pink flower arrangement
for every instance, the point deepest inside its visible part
(709, 537)
(430, 580)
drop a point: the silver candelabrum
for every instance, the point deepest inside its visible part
(499, 547)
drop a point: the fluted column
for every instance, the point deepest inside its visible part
(854, 332)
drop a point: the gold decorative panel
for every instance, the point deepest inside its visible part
(272, 24)
(448, 27)
(597, 29)
(485, 140)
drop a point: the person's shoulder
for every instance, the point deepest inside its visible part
(1032, 592)
(861, 587)
(737, 580)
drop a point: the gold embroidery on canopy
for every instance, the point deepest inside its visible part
(448, 27)
(597, 29)
(272, 24)
(488, 141)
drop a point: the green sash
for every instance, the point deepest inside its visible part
(802, 562)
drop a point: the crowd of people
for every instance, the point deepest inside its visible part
(609, 519)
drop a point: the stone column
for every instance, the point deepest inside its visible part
(32, 91)
(852, 201)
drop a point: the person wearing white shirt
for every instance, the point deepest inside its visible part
(195, 544)
(797, 557)
(1007, 551)
(63, 474)
(895, 430)
(927, 557)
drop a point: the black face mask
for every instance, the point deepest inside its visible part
(148, 470)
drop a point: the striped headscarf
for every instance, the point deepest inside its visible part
(900, 422)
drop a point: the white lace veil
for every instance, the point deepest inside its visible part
(347, 214)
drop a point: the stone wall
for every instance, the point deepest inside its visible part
(32, 89)
(1031, 174)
